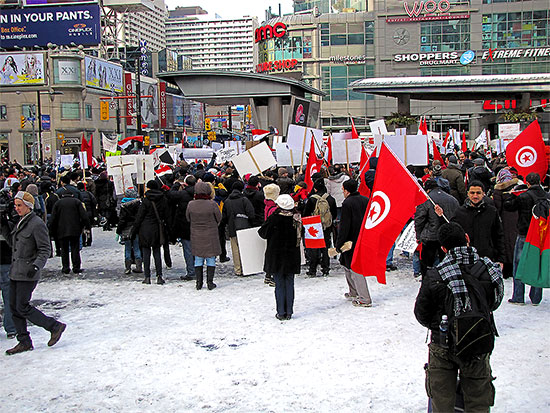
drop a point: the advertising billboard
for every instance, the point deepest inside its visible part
(104, 75)
(38, 26)
(22, 69)
(55, 2)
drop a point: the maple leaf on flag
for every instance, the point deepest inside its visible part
(313, 232)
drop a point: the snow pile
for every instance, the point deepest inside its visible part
(132, 347)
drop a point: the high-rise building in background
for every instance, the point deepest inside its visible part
(148, 26)
(212, 43)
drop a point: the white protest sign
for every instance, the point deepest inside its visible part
(342, 136)
(288, 157)
(83, 158)
(255, 160)
(145, 168)
(252, 250)
(276, 140)
(499, 145)
(216, 146)
(119, 165)
(109, 144)
(123, 182)
(407, 239)
(226, 154)
(378, 127)
(67, 160)
(295, 138)
(346, 152)
(197, 153)
(235, 144)
(410, 149)
(508, 130)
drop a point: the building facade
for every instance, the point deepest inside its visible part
(147, 26)
(225, 44)
(403, 38)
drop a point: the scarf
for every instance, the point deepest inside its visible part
(449, 269)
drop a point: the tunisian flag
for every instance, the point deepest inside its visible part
(395, 196)
(527, 153)
(313, 232)
(313, 165)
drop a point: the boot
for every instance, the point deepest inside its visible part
(20, 348)
(160, 280)
(128, 267)
(147, 280)
(198, 275)
(210, 277)
(139, 268)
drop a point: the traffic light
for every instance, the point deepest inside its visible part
(23, 122)
(207, 124)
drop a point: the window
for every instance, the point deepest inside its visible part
(445, 35)
(70, 111)
(3, 112)
(28, 111)
(88, 110)
(341, 34)
(509, 30)
(335, 81)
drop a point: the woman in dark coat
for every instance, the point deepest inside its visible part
(505, 183)
(282, 230)
(204, 216)
(106, 203)
(129, 209)
(150, 226)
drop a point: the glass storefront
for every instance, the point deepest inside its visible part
(445, 35)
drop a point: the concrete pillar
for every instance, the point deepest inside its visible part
(525, 102)
(275, 112)
(404, 104)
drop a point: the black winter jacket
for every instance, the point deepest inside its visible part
(128, 213)
(282, 255)
(256, 197)
(353, 211)
(178, 199)
(311, 203)
(426, 221)
(146, 224)
(68, 218)
(524, 203)
(237, 208)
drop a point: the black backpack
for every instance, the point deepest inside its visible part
(471, 333)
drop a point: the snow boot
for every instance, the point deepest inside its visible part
(147, 280)
(160, 280)
(198, 274)
(139, 268)
(20, 348)
(128, 267)
(210, 277)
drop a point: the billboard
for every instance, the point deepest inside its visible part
(55, 2)
(59, 25)
(22, 69)
(104, 75)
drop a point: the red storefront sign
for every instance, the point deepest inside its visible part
(493, 105)
(276, 65)
(162, 104)
(269, 32)
(128, 90)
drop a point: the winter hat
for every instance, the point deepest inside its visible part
(27, 198)
(253, 181)
(272, 191)
(285, 201)
(203, 188)
(131, 193)
(152, 184)
(32, 189)
(504, 175)
(282, 171)
(103, 175)
(478, 161)
(208, 177)
(430, 184)
(437, 170)
(452, 159)
(237, 185)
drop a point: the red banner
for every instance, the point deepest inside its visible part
(129, 91)
(527, 152)
(162, 104)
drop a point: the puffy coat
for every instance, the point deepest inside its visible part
(204, 217)
(282, 254)
(68, 217)
(426, 221)
(483, 225)
(30, 246)
(237, 212)
(129, 209)
(353, 211)
(147, 225)
(334, 187)
(90, 203)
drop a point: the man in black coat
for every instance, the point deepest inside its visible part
(353, 211)
(481, 222)
(427, 223)
(524, 204)
(90, 203)
(68, 220)
(256, 198)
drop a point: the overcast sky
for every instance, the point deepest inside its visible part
(233, 9)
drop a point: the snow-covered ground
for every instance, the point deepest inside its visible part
(132, 347)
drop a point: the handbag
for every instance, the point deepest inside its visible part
(126, 234)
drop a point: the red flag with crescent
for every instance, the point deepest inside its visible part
(394, 198)
(527, 152)
(313, 165)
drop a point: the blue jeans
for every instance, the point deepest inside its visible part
(389, 258)
(9, 326)
(128, 246)
(210, 262)
(188, 257)
(535, 293)
(416, 262)
(284, 294)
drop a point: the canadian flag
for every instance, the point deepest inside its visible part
(395, 196)
(313, 232)
(527, 152)
(313, 165)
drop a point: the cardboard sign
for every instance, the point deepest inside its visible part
(378, 127)
(83, 159)
(255, 160)
(197, 153)
(67, 161)
(226, 154)
(508, 130)
(295, 138)
(410, 149)
(288, 157)
(342, 136)
(118, 165)
(407, 239)
(239, 145)
(145, 168)
(123, 182)
(346, 151)
(252, 250)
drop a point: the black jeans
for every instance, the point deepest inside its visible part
(146, 252)
(320, 255)
(20, 295)
(71, 244)
(221, 235)
(284, 294)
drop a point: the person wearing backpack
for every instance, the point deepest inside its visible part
(320, 203)
(524, 203)
(461, 292)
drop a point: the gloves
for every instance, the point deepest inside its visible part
(32, 271)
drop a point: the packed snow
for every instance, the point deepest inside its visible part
(132, 347)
